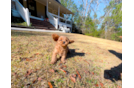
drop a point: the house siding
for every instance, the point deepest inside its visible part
(41, 9)
(25, 3)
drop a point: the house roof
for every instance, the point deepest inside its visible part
(54, 4)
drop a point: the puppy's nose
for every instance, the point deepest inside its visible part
(63, 42)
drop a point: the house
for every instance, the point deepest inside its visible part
(46, 13)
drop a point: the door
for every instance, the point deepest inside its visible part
(31, 4)
(46, 12)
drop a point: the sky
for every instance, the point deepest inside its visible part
(100, 11)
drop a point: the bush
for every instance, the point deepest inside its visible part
(16, 19)
(95, 33)
(101, 34)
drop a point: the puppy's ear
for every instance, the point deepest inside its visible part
(55, 37)
(71, 41)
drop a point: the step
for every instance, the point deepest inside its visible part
(42, 24)
(38, 27)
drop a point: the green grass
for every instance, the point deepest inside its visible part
(32, 51)
(21, 24)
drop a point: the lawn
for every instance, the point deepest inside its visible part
(93, 62)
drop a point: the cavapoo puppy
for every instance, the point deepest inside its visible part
(61, 48)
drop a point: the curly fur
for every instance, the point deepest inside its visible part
(61, 48)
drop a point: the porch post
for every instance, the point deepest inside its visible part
(47, 6)
(71, 23)
(58, 16)
(66, 18)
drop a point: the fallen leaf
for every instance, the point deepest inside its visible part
(101, 84)
(32, 60)
(82, 51)
(118, 86)
(51, 70)
(37, 54)
(75, 60)
(27, 59)
(50, 85)
(85, 61)
(36, 70)
(64, 66)
(78, 74)
(87, 53)
(80, 58)
(96, 85)
(63, 70)
(73, 79)
(101, 61)
(39, 78)
(28, 73)
(34, 80)
(92, 73)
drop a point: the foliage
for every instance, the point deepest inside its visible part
(113, 20)
(112, 23)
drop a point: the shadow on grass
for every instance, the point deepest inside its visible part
(73, 53)
(115, 72)
(119, 55)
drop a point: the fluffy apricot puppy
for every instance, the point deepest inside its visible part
(61, 48)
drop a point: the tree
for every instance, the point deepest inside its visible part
(112, 22)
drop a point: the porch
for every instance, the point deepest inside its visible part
(43, 9)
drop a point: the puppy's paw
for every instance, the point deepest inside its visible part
(51, 62)
(63, 62)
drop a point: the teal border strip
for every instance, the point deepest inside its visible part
(127, 75)
(127, 60)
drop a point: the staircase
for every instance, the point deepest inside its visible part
(38, 24)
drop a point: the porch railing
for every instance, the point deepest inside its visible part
(52, 20)
(24, 12)
(13, 6)
(65, 23)
(61, 19)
